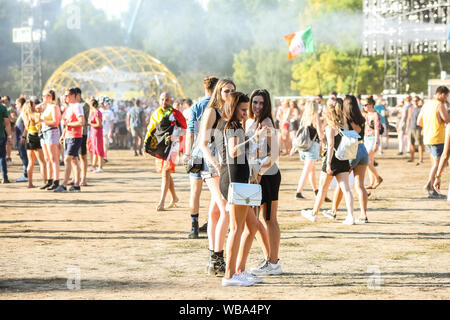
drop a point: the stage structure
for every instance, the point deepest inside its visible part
(118, 72)
(400, 28)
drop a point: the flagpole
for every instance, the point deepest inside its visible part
(318, 72)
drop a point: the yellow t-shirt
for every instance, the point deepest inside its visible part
(433, 130)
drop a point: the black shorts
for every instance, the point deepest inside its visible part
(337, 166)
(83, 148)
(33, 142)
(270, 185)
(72, 147)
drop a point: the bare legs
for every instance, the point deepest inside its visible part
(167, 185)
(51, 155)
(374, 178)
(32, 156)
(218, 221)
(238, 216)
(309, 171)
(359, 173)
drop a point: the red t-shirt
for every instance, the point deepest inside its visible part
(73, 112)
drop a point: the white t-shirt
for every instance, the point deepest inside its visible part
(108, 116)
(187, 113)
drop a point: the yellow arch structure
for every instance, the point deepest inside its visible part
(119, 71)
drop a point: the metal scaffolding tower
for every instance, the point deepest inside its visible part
(400, 28)
(31, 51)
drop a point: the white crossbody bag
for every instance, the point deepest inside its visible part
(242, 194)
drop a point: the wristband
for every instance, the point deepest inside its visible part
(437, 177)
(9, 137)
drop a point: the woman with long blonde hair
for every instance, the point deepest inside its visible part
(333, 167)
(218, 216)
(31, 119)
(311, 120)
(50, 120)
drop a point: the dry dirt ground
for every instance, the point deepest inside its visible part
(111, 239)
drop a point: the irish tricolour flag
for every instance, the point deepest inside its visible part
(299, 42)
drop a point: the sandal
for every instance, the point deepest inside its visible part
(379, 181)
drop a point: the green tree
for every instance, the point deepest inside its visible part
(259, 68)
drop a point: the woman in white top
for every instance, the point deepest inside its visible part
(50, 119)
(263, 157)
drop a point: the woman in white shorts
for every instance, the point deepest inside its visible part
(50, 119)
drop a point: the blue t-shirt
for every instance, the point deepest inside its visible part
(380, 108)
(195, 117)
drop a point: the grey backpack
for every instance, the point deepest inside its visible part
(302, 140)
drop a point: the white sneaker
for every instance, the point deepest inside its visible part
(91, 169)
(251, 278)
(329, 214)
(268, 269)
(236, 281)
(99, 170)
(308, 214)
(349, 221)
(22, 179)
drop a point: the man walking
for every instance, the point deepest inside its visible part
(432, 119)
(194, 118)
(135, 126)
(166, 126)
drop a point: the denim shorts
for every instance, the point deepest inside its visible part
(72, 146)
(312, 153)
(50, 137)
(208, 170)
(362, 157)
(196, 176)
(436, 150)
(369, 143)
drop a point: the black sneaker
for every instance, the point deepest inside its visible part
(433, 194)
(75, 189)
(203, 228)
(210, 267)
(60, 189)
(47, 185)
(220, 266)
(194, 232)
(299, 196)
(6, 181)
(54, 186)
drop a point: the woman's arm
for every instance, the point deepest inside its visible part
(330, 133)
(273, 145)
(207, 122)
(97, 124)
(356, 127)
(376, 126)
(444, 159)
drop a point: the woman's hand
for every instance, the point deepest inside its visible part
(329, 171)
(216, 166)
(260, 131)
(437, 184)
